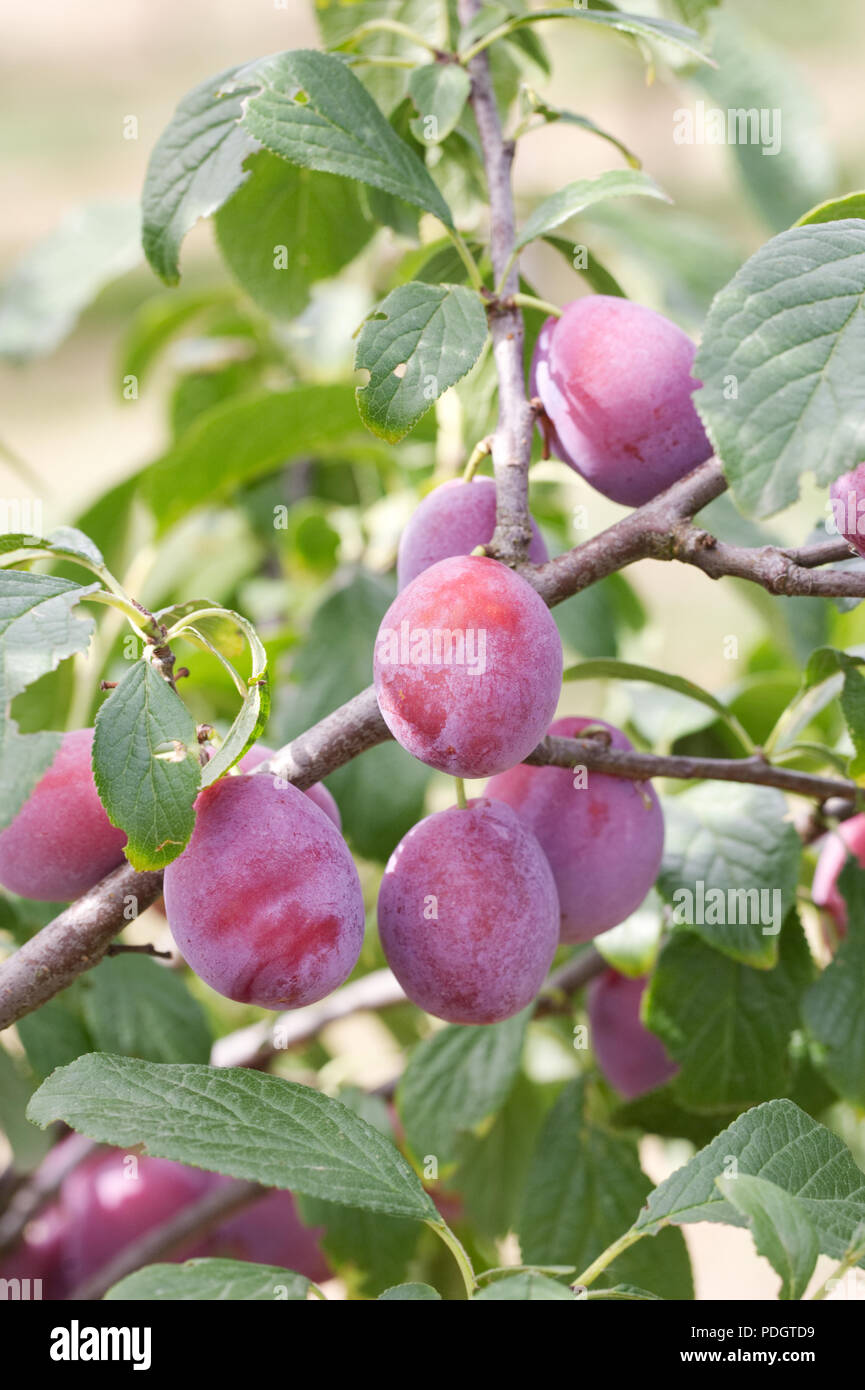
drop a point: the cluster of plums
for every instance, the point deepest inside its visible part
(111, 1199)
(265, 902)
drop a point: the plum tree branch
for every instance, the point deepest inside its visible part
(512, 441)
(661, 529)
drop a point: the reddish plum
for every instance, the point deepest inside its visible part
(848, 506)
(615, 381)
(849, 838)
(453, 520)
(604, 840)
(61, 842)
(630, 1057)
(265, 902)
(468, 667)
(468, 914)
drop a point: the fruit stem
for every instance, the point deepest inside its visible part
(528, 301)
(607, 1256)
(457, 1249)
(482, 450)
(461, 794)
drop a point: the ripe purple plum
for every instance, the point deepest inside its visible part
(615, 381)
(604, 840)
(265, 903)
(112, 1199)
(631, 1058)
(453, 520)
(468, 667)
(468, 914)
(61, 842)
(849, 838)
(848, 506)
(317, 793)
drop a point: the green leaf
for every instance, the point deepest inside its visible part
(348, 620)
(523, 1288)
(730, 868)
(556, 113)
(65, 542)
(584, 1189)
(46, 291)
(622, 1293)
(632, 947)
(211, 1281)
(726, 1024)
(788, 331)
(782, 1229)
(577, 196)
(605, 668)
(419, 341)
(247, 437)
(780, 1143)
(494, 1164)
(310, 109)
(280, 1134)
(635, 26)
(287, 228)
(832, 1009)
(23, 760)
(406, 1293)
(660, 1112)
(195, 167)
(158, 320)
(145, 763)
(753, 77)
(594, 273)
(38, 628)
(454, 1080)
(28, 1145)
(55, 1034)
(834, 210)
(439, 92)
(136, 1008)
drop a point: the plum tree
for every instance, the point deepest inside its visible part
(468, 667)
(847, 495)
(61, 842)
(462, 947)
(317, 793)
(265, 902)
(109, 1201)
(631, 1058)
(615, 381)
(603, 836)
(849, 838)
(452, 520)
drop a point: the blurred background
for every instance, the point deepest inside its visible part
(89, 88)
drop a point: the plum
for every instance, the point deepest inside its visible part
(631, 1058)
(615, 381)
(468, 914)
(604, 840)
(452, 520)
(468, 667)
(848, 506)
(848, 839)
(317, 792)
(61, 842)
(265, 902)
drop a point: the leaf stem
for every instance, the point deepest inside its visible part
(466, 257)
(607, 1256)
(457, 1249)
(390, 26)
(499, 33)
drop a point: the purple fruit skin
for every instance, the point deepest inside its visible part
(471, 725)
(265, 903)
(538, 371)
(106, 1203)
(453, 520)
(615, 381)
(486, 954)
(61, 842)
(317, 792)
(848, 499)
(631, 1058)
(849, 838)
(603, 842)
